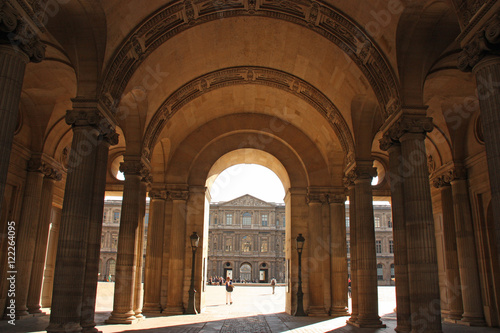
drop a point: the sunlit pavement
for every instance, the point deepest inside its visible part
(254, 309)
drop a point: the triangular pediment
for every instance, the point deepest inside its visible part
(247, 200)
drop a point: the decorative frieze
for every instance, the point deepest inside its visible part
(327, 21)
(178, 195)
(248, 75)
(450, 175)
(158, 195)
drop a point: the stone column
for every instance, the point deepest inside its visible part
(50, 262)
(312, 268)
(107, 138)
(126, 262)
(165, 261)
(154, 252)
(338, 250)
(399, 234)
(35, 287)
(18, 46)
(69, 274)
(422, 258)
(176, 281)
(481, 56)
(28, 225)
(349, 183)
(452, 281)
(467, 257)
(140, 247)
(366, 257)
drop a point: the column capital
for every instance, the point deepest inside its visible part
(36, 164)
(485, 42)
(316, 198)
(134, 167)
(178, 195)
(158, 194)
(450, 175)
(336, 198)
(363, 170)
(52, 173)
(406, 124)
(17, 32)
(44, 164)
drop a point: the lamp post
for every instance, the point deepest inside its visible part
(191, 308)
(300, 295)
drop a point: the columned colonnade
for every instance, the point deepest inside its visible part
(179, 208)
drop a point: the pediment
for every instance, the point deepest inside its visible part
(247, 200)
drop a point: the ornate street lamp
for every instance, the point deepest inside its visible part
(300, 295)
(191, 308)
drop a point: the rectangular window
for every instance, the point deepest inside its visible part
(247, 219)
(391, 246)
(389, 223)
(146, 219)
(380, 272)
(378, 246)
(377, 221)
(347, 222)
(284, 221)
(229, 219)
(264, 220)
(348, 247)
(116, 217)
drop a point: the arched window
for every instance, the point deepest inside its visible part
(246, 272)
(380, 272)
(111, 269)
(247, 219)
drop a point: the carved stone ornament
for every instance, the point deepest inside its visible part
(242, 76)
(158, 195)
(84, 117)
(38, 164)
(134, 168)
(336, 198)
(179, 15)
(406, 124)
(319, 198)
(447, 177)
(52, 173)
(15, 31)
(485, 41)
(178, 195)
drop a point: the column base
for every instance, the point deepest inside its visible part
(317, 311)
(403, 329)
(64, 328)
(90, 330)
(151, 310)
(339, 312)
(36, 310)
(471, 321)
(173, 311)
(374, 322)
(122, 318)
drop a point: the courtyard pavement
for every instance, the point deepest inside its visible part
(254, 309)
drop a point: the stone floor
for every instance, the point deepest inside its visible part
(254, 309)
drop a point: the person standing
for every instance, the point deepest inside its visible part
(229, 290)
(273, 284)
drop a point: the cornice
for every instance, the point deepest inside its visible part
(317, 16)
(241, 76)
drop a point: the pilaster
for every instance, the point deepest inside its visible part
(154, 250)
(467, 257)
(28, 226)
(51, 175)
(338, 248)
(175, 282)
